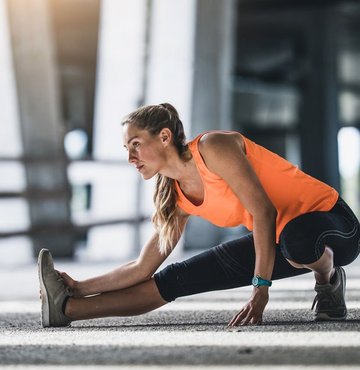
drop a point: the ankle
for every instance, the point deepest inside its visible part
(324, 277)
(332, 276)
(67, 307)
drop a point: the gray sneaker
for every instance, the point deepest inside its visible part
(53, 292)
(330, 298)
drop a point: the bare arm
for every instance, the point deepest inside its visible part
(233, 166)
(129, 274)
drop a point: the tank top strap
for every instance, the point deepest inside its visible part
(200, 163)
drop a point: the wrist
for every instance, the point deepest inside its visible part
(79, 289)
(258, 281)
(261, 291)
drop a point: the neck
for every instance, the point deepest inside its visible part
(178, 169)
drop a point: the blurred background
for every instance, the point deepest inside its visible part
(286, 73)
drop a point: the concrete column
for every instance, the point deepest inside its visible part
(42, 133)
(171, 56)
(319, 113)
(10, 143)
(211, 97)
(213, 60)
(169, 69)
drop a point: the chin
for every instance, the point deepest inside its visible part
(148, 176)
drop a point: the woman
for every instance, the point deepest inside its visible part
(298, 224)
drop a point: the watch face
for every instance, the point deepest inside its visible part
(255, 281)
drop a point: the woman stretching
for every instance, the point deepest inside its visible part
(298, 224)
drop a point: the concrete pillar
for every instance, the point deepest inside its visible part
(42, 133)
(211, 97)
(213, 60)
(169, 69)
(118, 91)
(10, 143)
(319, 112)
(171, 56)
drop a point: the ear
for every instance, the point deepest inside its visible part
(165, 136)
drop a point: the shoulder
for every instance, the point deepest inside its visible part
(221, 150)
(212, 143)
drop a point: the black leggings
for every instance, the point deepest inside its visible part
(231, 264)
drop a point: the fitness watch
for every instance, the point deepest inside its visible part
(258, 281)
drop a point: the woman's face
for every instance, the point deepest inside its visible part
(146, 152)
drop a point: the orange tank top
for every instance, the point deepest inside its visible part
(291, 191)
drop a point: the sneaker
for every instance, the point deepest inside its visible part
(330, 298)
(53, 292)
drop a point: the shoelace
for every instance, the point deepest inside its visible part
(326, 297)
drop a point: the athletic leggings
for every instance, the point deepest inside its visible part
(231, 264)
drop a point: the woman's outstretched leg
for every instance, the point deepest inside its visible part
(58, 308)
(131, 301)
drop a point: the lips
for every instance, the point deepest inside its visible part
(139, 167)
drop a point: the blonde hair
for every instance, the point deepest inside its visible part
(154, 118)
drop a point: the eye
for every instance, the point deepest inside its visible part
(136, 145)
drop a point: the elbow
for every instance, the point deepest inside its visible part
(271, 212)
(267, 212)
(148, 275)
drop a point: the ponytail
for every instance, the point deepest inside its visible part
(164, 219)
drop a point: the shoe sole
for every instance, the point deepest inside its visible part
(326, 317)
(45, 309)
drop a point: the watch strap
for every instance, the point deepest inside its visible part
(259, 281)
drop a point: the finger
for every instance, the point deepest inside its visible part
(232, 321)
(62, 274)
(239, 320)
(238, 317)
(235, 321)
(252, 318)
(241, 313)
(256, 320)
(66, 278)
(247, 319)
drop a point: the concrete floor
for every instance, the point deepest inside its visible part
(189, 333)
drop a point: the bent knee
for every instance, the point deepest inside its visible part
(295, 264)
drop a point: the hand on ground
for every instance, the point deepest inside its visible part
(252, 312)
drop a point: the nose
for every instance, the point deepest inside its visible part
(131, 157)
